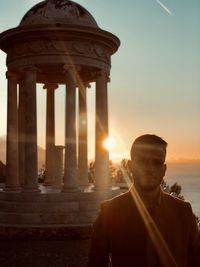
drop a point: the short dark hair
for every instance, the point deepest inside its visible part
(148, 139)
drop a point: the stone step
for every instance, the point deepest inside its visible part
(47, 207)
(72, 218)
(50, 209)
(45, 232)
(59, 196)
(38, 207)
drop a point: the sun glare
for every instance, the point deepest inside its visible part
(109, 143)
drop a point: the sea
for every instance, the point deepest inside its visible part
(187, 175)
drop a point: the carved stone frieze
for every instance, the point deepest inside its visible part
(60, 46)
(81, 48)
(42, 49)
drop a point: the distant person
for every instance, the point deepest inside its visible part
(146, 227)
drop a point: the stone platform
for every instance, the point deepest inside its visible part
(50, 213)
(44, 253)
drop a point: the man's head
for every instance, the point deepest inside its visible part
(148, 166)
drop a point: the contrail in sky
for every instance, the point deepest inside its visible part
(164, 7)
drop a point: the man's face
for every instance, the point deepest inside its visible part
(148, 167)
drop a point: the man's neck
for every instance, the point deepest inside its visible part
(149, 198)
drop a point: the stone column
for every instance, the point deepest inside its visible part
(58, 174)
(82, 138)
(70, 168)
(31, 167)
(102, 181)
(21, 112)
(12, 160)
(50, 133)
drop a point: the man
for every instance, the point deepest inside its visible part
(146, 227)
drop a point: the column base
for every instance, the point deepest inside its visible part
(70, 190)
(14, 188)
(57, 186)
(48, 183)
(102, 188)
(83, 184)
(31, 190)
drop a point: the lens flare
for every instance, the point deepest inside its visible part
(109, 143)
(162, 249)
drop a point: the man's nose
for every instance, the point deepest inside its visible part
(150, 165)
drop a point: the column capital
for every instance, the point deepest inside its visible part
(87, 85)
(82, 84)
(11, 75)
(50, 86)
(21, 81)
(73, 71)
(71, 68)
(70, 75)
(32, 68)
(30, 75)
(104, 73)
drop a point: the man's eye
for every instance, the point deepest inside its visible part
(141, 161)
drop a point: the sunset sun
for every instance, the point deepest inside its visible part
(109, 143)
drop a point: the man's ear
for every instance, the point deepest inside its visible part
(164, 169)
(130, 165)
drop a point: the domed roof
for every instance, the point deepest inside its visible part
(58, 12)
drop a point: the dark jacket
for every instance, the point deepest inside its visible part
(120, 233)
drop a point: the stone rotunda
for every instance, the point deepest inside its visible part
(57, 42)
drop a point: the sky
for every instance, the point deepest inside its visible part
(155, 75)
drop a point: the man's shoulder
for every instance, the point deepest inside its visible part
(175, 201)
(117, 201)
